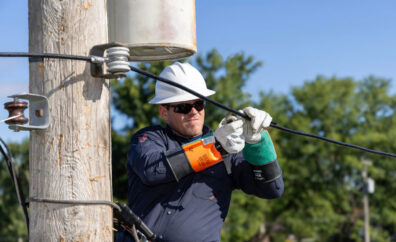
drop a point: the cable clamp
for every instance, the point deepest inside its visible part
(97, 59)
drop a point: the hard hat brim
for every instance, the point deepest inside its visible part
(180, 98)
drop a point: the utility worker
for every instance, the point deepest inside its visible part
(180, 177)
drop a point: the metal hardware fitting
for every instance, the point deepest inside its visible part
(38, 110)
(116, 61)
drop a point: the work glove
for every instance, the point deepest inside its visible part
(259, 150)
(229, 134)
(206, 152)
(252, 129)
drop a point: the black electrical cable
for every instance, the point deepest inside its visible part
(148, 74)
(332, 141)
(273, 124)
(44, 55)
(21, 198)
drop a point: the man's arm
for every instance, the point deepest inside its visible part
(155, 164)
(258, 171)
(146, 156)
(245, 178)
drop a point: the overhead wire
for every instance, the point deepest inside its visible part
(44, 55)
(333, 141)
(220, 105)
(243, 115)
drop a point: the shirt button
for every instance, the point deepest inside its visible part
(160, 237)
(178, 190)
(169, 212)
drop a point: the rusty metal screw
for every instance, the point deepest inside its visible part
(16, 108)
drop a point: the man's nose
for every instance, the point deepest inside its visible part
(194, 111)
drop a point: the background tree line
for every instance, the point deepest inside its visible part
(323, 183)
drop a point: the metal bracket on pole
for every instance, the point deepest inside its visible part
(98, 61)
(38, 110)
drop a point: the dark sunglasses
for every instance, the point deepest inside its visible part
(185, 108)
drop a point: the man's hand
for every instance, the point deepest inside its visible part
(230, 134)
(252, 129)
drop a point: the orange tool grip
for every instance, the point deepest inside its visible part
(202, 155)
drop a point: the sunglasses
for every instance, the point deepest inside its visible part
(185, 108)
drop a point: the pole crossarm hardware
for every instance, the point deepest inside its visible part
(96, 60)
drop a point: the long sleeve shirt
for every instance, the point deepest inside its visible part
(193, 208)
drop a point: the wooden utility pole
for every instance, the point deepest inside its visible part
(71, 160)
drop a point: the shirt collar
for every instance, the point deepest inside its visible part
(183, 139)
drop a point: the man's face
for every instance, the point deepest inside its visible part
(188, 125)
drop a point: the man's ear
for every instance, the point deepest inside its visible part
(163, 112)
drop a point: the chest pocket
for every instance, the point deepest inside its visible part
(212, 183)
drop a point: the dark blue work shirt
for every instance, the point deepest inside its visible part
(194, 208)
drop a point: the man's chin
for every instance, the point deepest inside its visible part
(194, 132)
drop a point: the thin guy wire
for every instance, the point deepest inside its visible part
(75, 202)
(9, 118)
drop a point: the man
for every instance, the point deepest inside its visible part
(181, 176)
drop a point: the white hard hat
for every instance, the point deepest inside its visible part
(184, 74)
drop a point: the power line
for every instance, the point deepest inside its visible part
(44, 55)
(273, 124)
(332, 141)
(95, 59)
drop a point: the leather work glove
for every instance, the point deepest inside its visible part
(229, 134)
(252, 129)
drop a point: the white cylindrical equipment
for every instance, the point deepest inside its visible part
(153, 30)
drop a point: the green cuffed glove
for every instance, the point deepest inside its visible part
(259, 150)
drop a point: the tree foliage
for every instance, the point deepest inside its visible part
(12, 224)
(323, 183)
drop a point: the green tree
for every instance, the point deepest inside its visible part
(322, 198)
(12, 224)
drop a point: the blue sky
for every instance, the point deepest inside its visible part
(296, 40)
